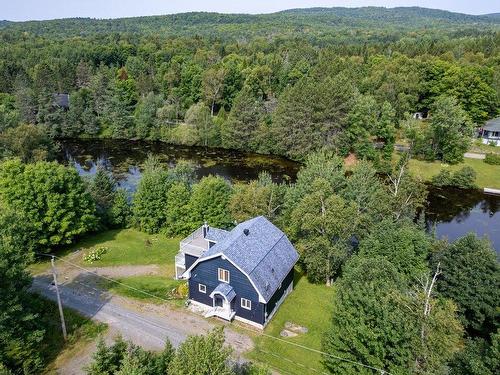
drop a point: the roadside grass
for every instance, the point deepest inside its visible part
(160, 286)
(487, 175)
(309, 305)
(125, 247)
(81, 332)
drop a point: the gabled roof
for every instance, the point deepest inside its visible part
(492, 125)
(225, 290)
(216, 234)
(260, 250)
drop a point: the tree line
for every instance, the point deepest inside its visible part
(286, 96)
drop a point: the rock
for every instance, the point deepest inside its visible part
(287, 333)
(295, 328)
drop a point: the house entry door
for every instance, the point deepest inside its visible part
(218, 301)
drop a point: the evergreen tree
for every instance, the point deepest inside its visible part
(385, 130)
(476, 296)
(150, 199)
(209, 202)
(177, 210)
(102, 189)
(120, 213)
(239, 130)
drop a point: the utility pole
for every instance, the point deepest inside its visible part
(61, 312)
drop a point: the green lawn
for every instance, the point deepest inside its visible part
(487, 175)
(125, 247)
(160, 286)
(81, 331)
(308, 305)
(131, 247)
(479, 147)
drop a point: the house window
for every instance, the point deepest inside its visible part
(246, 304)
(202, 288)
(223, 275)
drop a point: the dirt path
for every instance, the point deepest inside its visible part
(144, 324)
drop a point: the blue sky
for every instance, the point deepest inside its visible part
(20, 10)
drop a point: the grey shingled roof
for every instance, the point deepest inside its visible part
(265, 254)
(216, 234)
(61, 100)
(492, 125)
(226, 290)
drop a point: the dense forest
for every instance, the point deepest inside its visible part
(315, 85)
(346, 79)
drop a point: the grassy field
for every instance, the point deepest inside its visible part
(479, 147)
(81, 331)
(160, 286)
(310, 306)
(125, 247)
(487, 175)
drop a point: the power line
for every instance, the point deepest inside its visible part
(381, 371)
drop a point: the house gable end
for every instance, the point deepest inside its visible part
(209, 267)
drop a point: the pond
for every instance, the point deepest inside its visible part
(125, 159)
(451, 213)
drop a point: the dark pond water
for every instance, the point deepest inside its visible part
(125, 159)
(452, 213)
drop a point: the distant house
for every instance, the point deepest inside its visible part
(490, 133)
(61, 100)
(244, 274)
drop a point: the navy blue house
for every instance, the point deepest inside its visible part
(242, 274)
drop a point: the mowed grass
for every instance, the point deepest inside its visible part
(487, 175)
(130, 247)
(126, 247)
(309, 305)
(154, 286)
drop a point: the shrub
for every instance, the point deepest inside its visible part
(95, 254)
(493, 159)
(463, 178)
(443, 178)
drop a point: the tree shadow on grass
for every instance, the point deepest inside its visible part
(78, 313)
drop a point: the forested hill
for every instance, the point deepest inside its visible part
(316, 23)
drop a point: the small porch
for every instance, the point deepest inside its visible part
(222, 297)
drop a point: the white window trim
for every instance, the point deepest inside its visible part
(202, 288)
(246, 304)
(219, 274)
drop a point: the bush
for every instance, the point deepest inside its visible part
(463, 178)
(95, 254)
(493, 159)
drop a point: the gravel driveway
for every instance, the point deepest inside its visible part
(144, 324)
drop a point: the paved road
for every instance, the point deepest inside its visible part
(474, 155)
(143, 324)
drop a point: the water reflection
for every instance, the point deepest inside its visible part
(454, 213)
(125, 159)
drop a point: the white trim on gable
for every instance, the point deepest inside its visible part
(187, 273)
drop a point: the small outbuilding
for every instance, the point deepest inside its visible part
(242, 274)
(61, 100)
(490, 133)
